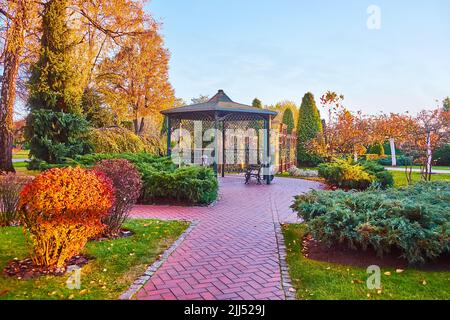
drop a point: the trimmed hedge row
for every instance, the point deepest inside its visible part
(163, 180)
(414, 219)
(401, 161)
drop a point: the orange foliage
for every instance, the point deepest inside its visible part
(347, 134)
(62, 209)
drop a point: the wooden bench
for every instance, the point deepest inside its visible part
(253, 171)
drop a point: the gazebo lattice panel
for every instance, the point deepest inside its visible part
(227, 135)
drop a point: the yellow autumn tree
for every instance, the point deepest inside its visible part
(17, 21)
(135, 81)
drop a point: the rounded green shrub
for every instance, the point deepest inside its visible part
(377, 149)
(344, 174)
(359, 176)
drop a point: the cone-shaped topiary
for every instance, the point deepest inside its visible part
(308, 128)
(288, 120)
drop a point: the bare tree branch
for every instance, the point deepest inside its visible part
(6, 14)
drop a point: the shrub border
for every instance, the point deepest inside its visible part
(151, 270)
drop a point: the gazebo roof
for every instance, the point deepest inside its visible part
(220, 104)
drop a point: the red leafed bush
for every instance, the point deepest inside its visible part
(62, 209)
(128, 185)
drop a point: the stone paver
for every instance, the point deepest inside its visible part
(232, 253)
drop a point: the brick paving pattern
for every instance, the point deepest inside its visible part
(232, 253)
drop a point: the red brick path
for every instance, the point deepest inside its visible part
(232, 253)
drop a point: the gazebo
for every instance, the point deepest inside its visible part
(226, 123)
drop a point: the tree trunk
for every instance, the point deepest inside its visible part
(429, 157)
(8, 98)
(139, 126)
(142, 126)
(393, 154)
(15, 37)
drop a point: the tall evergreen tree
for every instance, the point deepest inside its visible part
(257, 103)
(309, 127)
(54, 82)
(55, 123)
(288, 120)
(446, 104)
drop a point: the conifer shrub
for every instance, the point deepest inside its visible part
(414, 220)
(383, 178)
(55, 136)
(309, 127)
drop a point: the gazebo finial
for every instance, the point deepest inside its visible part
(220, 96)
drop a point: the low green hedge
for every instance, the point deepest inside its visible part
(401, 161)
(195, 185)
(442, 155)
(163, 180)
(414, 219)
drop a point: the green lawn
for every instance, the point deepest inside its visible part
(401, 181)
(419, 167)
(21, 168)
(21, 154)
(116, 265)
(399, 177)
(326, 281)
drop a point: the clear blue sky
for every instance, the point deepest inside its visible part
(279, 49)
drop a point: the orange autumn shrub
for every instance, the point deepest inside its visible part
(61, 209)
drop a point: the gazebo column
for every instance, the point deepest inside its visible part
(223, 149)
(169, 135)
(267, 148)
(216, 145)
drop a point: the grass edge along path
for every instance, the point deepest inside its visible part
(316, 280)
(116, 264)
